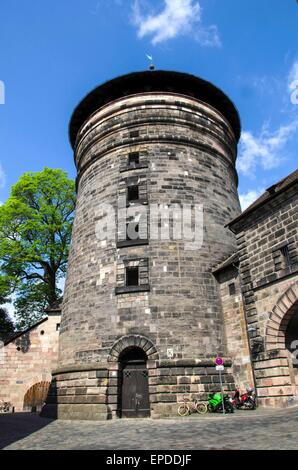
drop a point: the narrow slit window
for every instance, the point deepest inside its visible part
(132, 193)
(133, 159)
(232, 289)
(285, 257)
(132, 276)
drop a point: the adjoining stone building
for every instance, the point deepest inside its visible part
(26, 362)
(267, 237)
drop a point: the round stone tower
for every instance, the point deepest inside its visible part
(141, 322)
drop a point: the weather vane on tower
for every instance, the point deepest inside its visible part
(150, 57)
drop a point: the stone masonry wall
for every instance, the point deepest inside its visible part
(27, 360)
(94, 394)
(187, 153)
(190, 152)
(236, 338)
(260, 237)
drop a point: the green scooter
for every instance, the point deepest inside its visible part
(215, 403)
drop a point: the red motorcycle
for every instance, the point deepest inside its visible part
(247, 401)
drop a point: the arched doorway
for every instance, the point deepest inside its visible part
(291, 343)
(134, 390)
(282, 338)
(36, 396)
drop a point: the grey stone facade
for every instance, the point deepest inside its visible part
(175, 138)
(267, 236)
(235, 324)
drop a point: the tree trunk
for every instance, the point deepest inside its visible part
(50, 278)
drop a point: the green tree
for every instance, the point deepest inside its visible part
(35, 232)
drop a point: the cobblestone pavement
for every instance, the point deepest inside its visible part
(261, 429)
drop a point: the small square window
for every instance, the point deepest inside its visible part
(132, 193)
(133, 159)
(232, 289)
(132, 276)
(135, 277)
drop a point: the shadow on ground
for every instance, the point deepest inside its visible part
(14, 427)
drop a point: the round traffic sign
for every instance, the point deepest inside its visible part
(219, 361)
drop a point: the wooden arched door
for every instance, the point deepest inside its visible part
(36, 396)
(134, 395)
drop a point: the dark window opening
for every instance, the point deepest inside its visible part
(132, 355)
(133, 159)
(132, 193)
(134, 134)
(285, 257)
(132, 276)
(57, 326)
(232, 289)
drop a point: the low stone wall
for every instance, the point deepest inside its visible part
(93, 392)
(78, 393)
(169, 381)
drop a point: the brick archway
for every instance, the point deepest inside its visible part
(35, 396)
(128, 341)
(279, 318)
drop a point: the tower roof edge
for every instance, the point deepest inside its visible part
(158, 80)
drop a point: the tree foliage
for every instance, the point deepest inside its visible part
(35, 231)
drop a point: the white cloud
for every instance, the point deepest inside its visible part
(10, 310)
(264, 150)
(2, 177)
(178, 17)
(293, 83)
(266, 84)
(248, 198)
(293, 76)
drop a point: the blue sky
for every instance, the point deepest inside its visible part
(53, 53)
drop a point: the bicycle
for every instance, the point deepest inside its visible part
(5, 407)
(188, 406)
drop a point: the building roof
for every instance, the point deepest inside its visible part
(17, 334)
(144, 82)
(231, 260)
(267, 196)
(52, 309)
(55, 306)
